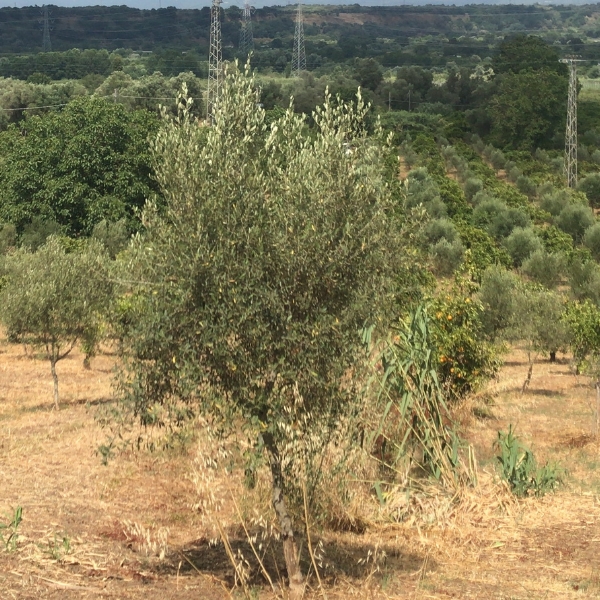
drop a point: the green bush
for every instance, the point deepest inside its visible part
(37, 232)
(574, 219)
(497, 298)
(519, 468)
(487, 211)
(472, 187)
(591, 240)
(482, 250)
(554, 202)
(521, 244)
(545, 268)
(506, 222)
(555, 240)
(466, 359)
(526, 186)
(447, 256)
(440, 229)
(590, 186)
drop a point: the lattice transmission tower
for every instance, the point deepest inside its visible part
(571, 130)
(215, 59)
(298, 53)
(246, 36)
(46, 45)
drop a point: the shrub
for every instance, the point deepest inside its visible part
(526, 186)
(37, 232)
(440, 229)
(504, 223)
(584, 277)
(519, 468)
(8, 237)
(514, 174)
(554, 201)
(113, 236)
(466, 359)
(590, 186)
(447, 256)
(472, 187)
(591, 240)
(497, 159)
(555, 240)
(496, 295)
(574, 219)
(481, 197)
(486, 211)
(545, 268)
(521, 244)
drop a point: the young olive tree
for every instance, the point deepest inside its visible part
(51, 299)
(274, 248)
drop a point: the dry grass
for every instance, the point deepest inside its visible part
(141, 527)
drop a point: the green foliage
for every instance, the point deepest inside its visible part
(555, 240)
(37, 232)
(574, 219)
(113, 236)
(554, 202)
(522, 53)
(483, 251)
(51, 298)
(497, 298)
(520, 470)
(9, 531)
(274, 249)
(528, 108)
(545, 268)
(447, 256)
(583, 323)
(86, 163)
(416, 416)
(591, 240)
(538, 321)
(440, 229)
(521, 244)
(590, 186)
(465, 358)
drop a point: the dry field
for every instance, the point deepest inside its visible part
(94, 531)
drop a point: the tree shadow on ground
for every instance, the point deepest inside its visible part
(337, 559)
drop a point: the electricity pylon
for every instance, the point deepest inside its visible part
(298, 53)
(46, 45)
(246, 37)
(215, 58)
(571, 131)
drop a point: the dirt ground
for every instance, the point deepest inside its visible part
(132, 529)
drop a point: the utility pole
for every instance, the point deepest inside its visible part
(298, 53)
(571, 130)
(246, 37)
(46, 45)
(215, 58)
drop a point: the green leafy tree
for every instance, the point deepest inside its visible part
(545, 268)
(497, 298)
(521, 244)
(76, 167)
(528, 109)
(575, 219)
(51, 299)
(274, 249)
(537, 322)
(590, 186)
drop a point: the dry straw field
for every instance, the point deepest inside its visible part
(137, 528)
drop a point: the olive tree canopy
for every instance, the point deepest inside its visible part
(276, 247)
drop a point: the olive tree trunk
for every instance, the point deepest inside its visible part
(55, 379)
(290, 548)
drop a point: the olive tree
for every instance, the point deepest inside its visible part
(275, 247)
(51, 299)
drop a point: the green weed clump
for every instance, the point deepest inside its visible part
(519, 468)
(9, 531)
